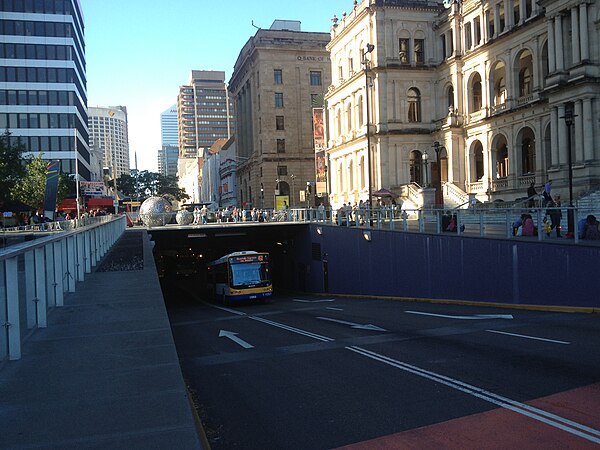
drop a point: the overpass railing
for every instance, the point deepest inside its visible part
(35, 275)
(474, 221)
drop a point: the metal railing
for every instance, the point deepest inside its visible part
(35, 275)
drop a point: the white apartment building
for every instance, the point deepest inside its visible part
(108, 133)
(490, 82)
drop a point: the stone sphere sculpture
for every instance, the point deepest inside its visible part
(156, 212)
(184, 217)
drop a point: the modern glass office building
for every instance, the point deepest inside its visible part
(43, 92)
(169, 152)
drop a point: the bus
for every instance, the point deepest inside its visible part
(240, 276)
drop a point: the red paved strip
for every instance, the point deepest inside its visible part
(502, 428)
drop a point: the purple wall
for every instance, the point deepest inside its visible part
(448, 267)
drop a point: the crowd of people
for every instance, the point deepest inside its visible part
(587, 228)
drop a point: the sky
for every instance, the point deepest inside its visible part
(139, 52)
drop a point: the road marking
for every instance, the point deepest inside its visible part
(473, 317)
(222, 308)
(354, 325)
(529, 337)
(233, 336)
(292, 329)
(546, 417)
(313, 301)
(334, 309)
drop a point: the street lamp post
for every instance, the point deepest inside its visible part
(262, 196)
(438, 196)
(277, 180)
(366, 63)
(292, 201)
(425, 157)
(569, 116)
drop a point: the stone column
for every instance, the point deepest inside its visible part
(560, 64)
(575, 38)
(551, 51)
(522, 11)
(578, 136)
(554, 137)
(588, 130)
(509, 15)
(497, 29)
(583, 32)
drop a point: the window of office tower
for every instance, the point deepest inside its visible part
(278, 76)
(315, 78)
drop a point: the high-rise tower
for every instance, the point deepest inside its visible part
(169, 152)
(203, 111)
(108, 133)
(43, 98)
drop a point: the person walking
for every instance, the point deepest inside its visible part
(531, 195)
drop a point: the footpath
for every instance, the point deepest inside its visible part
(105, 372)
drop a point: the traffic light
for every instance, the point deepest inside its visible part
(308, 187)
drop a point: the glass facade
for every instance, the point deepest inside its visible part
(43, 86)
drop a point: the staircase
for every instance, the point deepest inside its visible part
(589, 204)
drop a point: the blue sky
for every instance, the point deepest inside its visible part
(139, 52)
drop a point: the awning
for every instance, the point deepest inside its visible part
(68, 204)
(96, 202)
(385, 193)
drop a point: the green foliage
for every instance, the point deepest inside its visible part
(31, 188)
(135, 185)
(11, 165)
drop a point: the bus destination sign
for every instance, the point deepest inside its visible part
(247, 259)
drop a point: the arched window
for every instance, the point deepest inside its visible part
(360, 111)
(338, 119)
(361, 172)
(450, 96)
(524, 81)
(350, 176)
(340, 178)
(502, 161)
(416, 169)
(524, 72)
(414, 105)
(526, 143)
(476, 98)
(500, 92)
(477, 172)
(349, 117)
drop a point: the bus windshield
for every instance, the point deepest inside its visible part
(249, 274)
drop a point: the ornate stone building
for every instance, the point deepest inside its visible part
(279, 75)
(491, 82)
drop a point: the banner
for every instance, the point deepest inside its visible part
(319, 142)
(318, 130)
(52, 173)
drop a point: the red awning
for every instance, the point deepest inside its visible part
(96, 202)
(68, 204)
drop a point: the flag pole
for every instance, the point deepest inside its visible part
(77, 176)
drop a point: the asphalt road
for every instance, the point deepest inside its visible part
(308, 372)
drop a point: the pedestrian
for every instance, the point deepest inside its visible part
(531, 195)
(528, 228)
(547, 192)
(555, 215)
(591, 232)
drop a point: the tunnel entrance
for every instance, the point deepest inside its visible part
(181, 253)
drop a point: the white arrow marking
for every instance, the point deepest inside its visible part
(474, 317)
(233, 336)
(354, 325)
(529, 337)
(313, 301)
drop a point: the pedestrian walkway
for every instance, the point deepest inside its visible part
(105, 373)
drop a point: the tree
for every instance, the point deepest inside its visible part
(135, 184)
(11, 164)
(31, 188)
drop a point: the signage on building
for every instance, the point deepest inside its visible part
(92, 188)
